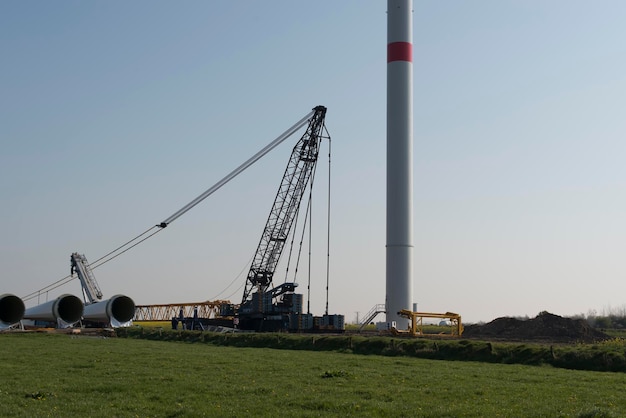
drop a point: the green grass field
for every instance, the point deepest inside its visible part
(63, 375)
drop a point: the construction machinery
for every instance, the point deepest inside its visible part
(416, 325)
(188, 316)
(80, 266)
(118, 311)
(165, 312)
(263, 306)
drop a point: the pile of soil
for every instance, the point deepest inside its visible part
(544, 327)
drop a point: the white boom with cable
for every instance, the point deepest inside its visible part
(238, 170)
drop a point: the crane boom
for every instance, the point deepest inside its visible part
(296, 178)
(237, 171)
(80, 266)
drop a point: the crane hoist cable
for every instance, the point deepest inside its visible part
(137, 240)
(243, 270)
(95, 263)
(328, 228)
(48, 288)
(238, 170)
(128, 248)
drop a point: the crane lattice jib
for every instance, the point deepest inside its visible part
(297, 176)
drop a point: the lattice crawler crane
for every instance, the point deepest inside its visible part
(263, 307)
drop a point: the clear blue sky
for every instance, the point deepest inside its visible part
(115, 114)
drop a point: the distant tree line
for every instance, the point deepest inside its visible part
(609, 318)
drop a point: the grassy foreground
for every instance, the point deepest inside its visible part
(607, 355)
(62, 375)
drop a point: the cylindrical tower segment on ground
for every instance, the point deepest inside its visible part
(11, 309)
(67, 308)
(116, 311)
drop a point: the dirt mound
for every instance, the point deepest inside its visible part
(544, 327)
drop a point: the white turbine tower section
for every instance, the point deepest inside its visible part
(399, 160)
(11, 310)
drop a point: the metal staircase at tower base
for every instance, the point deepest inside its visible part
(373, 313)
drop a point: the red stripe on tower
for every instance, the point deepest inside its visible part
(400, 51)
